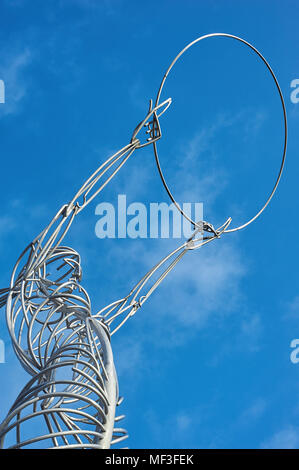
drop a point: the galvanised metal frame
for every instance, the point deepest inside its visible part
(65, 347)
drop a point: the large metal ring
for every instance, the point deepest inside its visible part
(195, 223)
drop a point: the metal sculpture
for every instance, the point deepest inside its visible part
(66, 348)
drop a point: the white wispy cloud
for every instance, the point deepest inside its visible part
(207, 282)
(106, 6)
(247, 419)
(19, 215)
(254, 123)
(12, 66)
(291, 310)
(287, 438)
(129, 356)
(199, 164)
(15, 3)
(193, 174)
(203, 288)
(183, 421)
(251, 330)
(254, 412)
(179, 428)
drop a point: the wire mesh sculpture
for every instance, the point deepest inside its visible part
(56, 337)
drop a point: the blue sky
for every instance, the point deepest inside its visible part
(206, 362)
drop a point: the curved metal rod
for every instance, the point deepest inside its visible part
(169, 192)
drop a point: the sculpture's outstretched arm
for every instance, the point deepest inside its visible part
(39, 250)
(117, 313)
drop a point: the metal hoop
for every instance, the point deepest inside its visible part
(284, 117)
